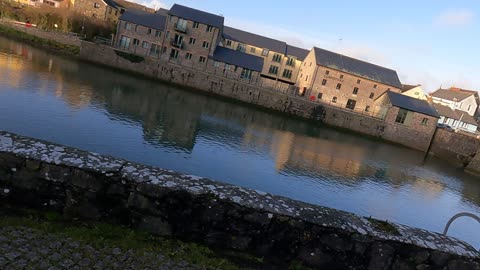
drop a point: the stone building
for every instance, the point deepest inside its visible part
(457, 99)
(281, 61)
(141, 33)
(191, 36)
(100, 9)
(343, 81)
(405, 111)
(414, 91)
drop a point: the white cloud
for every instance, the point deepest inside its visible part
(156, 4)
(461, 17)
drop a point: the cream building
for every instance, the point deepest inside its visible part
(457, 99)
(414, 91)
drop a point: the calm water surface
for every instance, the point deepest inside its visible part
(96, 109)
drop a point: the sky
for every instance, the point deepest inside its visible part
(435, 43)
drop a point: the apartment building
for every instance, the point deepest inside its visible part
(343, 81)
(456, 119)
(281, 61)
(191, 36)
(141, 32)
(457, 99)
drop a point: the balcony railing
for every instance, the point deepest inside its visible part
(178, 44)
(181, 28)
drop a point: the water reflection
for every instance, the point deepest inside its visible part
(96, 109)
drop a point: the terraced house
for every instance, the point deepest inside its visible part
(281, 61)
(343, 81)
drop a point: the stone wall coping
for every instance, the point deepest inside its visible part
(147, 176)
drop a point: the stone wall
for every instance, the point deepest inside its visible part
(474, 166)
(253, 94)
(89, 186)
(48, 35)
(454, 147)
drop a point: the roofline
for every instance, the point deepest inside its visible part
(286, 45)
(163, 30)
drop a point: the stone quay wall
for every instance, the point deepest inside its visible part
(455, 147)
(90, 186)
(263, 97)
(474, 165)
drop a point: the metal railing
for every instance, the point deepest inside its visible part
(180, 28)
(463, 214)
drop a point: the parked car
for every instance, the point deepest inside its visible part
(445, 126)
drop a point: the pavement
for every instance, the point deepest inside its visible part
(26, 248)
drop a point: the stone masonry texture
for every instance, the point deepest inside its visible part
(25, 248)
(89, 186)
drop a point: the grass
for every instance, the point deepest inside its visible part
(38, 42)
(106, 235)
(383, 226)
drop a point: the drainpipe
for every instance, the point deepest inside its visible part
(431, 143)
(313, 81)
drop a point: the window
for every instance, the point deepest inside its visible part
(206, 45)
(125, 42)
(253, 50)
(136, 28)
(155, 50)
(246, 74)
(241, 47)
(168, 35)
(174, 54)
(158, 33)
(306, 78)
(367, 109)
(339, 86)
(202, 59)
(145, 45)
(417, 93)
(327, 72)
(277, 58)
(149, 31)
(355, 90)
(216, 64)
(229, 43)
(358, 81)
(209, 28)
(469, 107)
(334, 100)
(227, 67)
(424, 121)
(310, 63)
(401, 116)
(96, 5)
(192, 41)
(265, 52)
(128, 26)
(371, 95)
(181, 25)
(341, 76)
(374, 86)
(188, 56)
(195, 25)
(164, 49)
(287, 73)
(291, 62)
(351, 104)
(319, 96)
(136, 42)
(301, 75)
(324, 82)
(273, 70)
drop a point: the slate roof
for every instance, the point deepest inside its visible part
(151, 20)
(300, 53)
(131, 5)
(110, 3)
(254, 39)
(447, 112)
(197, 15)
(357, 67)
(237, 58)
(450, 95)
(412, 104)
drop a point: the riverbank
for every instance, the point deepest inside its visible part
(88, 186)
(48, 44)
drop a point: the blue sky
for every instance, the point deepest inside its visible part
(428, 42)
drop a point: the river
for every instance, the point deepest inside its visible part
(96, 109)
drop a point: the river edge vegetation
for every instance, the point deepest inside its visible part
(35, 41)
(57, 19)
(99, 235)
